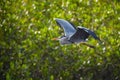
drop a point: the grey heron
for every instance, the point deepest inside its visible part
(73, 34)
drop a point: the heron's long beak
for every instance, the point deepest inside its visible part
(55, 39)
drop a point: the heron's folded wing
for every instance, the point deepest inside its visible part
(69, 29)
(80, 35)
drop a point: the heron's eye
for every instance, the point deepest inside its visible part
(62, 36)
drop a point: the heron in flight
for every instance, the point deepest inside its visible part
(73, 34)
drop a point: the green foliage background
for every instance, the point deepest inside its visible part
(28, 53)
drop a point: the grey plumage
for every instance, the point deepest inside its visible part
(69, 29)
(72, 34)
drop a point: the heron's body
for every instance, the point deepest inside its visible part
(72, 34)
(64, 40)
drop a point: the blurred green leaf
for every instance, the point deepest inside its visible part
(27, 51)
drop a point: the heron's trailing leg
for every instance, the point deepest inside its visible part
(89, 45)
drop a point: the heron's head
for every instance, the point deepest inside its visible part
(63, 40)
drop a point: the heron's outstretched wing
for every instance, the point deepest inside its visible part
(80, 36)
(69, 29)
(90, 32)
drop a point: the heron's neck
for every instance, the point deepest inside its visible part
(64, 40)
